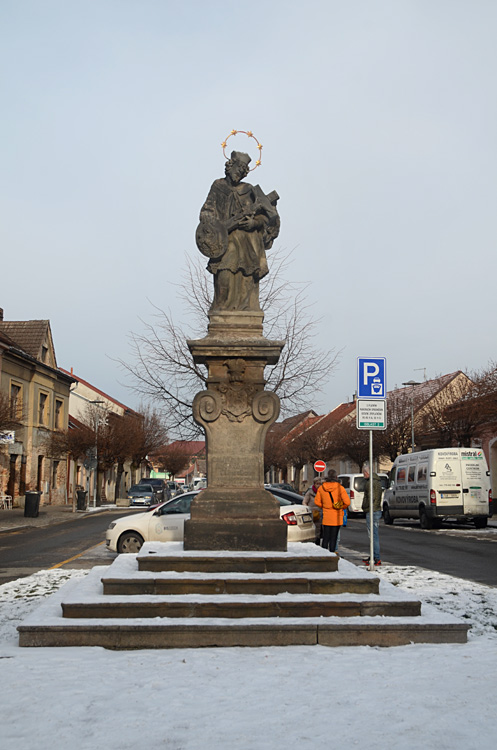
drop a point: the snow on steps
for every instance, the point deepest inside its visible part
(165, 597)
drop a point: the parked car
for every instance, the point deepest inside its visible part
(279, 492)
(173, 488)
(166, 524)
(354, 486)
(281, 486)
(142, 494)
(159, 486)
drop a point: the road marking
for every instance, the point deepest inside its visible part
(70, 559)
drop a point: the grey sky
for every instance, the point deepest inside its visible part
(378, 121)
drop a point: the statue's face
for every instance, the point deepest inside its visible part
(237, 171)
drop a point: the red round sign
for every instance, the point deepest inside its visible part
(319, 466)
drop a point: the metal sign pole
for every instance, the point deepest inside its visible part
(371, 540)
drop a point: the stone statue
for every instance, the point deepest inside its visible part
(238, 223)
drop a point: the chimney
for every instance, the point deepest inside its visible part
(1, 313)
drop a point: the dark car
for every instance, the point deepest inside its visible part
(142, 495)
(283, 494)
(281, 486)
(159, 485)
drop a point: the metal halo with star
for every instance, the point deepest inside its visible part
(250, 135)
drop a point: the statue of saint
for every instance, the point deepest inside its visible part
(238, 223)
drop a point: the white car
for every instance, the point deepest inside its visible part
(354, 487)
(166, 524)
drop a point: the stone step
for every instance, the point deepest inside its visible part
(265, 586)
(129, 635)
(158, 620)
(237, 608)
(239, 563)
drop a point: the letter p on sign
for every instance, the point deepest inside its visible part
(371, 377)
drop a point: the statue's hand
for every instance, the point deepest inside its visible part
(249, 223)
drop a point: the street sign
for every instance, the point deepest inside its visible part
(371, 415)
(319, 466)
(7, 437)
(371, 377)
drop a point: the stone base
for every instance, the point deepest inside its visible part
(235, 519)
(246, 324)
(233, 534)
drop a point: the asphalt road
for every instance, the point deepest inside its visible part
(457, 550)
(460, 551)
(72, 544)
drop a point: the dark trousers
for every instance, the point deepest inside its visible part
(330, 534)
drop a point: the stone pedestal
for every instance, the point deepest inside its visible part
(235, 512)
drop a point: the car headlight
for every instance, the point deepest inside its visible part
(111, 525)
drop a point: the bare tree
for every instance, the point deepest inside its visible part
(173, 457)
(345, 440)
(396, 439)
(164, 371)
(462, 412)
(303, 449)
(274, 454)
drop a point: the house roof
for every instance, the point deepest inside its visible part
(97, 390)
(421, 393)
(286, 426)
(28, 335)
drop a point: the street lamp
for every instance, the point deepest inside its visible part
(412, 383)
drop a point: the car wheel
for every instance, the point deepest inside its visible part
(481, 523)
(424, 521)
(129, 542)
(387, 518)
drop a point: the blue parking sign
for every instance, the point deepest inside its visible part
(371, 377)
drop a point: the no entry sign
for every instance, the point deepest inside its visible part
(319, 466)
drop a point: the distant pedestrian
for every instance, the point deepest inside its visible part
(309, 500)
(332, 498)
(377, 494)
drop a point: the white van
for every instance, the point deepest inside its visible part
(438, 484)
(353, 484)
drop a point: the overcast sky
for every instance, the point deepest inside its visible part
(378, 124)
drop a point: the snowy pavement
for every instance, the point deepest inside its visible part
(409, 697)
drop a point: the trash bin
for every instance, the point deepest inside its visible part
(32, 504)
(81, 499)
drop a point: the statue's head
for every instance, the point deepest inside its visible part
(237, 166)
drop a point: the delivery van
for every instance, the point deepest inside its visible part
(438, 484)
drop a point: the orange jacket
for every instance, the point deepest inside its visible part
(331, 516)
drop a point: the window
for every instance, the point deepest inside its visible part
(42, 408)
(58, 414)
(401, 476)
(412, 474)
(422, 473)
(15, 401)
(44, 354)
(359, 483)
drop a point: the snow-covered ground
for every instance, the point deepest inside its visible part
(420, 696)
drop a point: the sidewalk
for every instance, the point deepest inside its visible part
(48, 515)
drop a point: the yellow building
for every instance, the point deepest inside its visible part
(37, 393)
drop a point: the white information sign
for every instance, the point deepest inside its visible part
(7, 437)
(371, 415)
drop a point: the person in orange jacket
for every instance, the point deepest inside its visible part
(330, 495)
